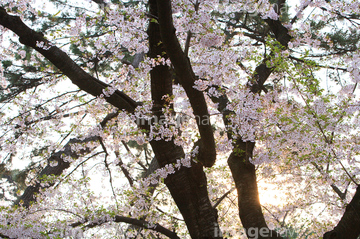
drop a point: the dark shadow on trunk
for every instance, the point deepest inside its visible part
(349, 225)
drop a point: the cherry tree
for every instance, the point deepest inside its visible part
(179, 119)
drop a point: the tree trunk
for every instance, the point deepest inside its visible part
(244, 174)
(349, 225)
(188, 186)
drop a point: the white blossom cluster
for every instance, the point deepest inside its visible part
(305, 124)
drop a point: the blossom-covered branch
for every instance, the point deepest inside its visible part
(61, 60)
(187, 78)
(133, 221)
(57, 163)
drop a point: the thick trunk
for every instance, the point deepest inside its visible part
(349, 225)
(188, 186)
(243, 171)
(244, 175)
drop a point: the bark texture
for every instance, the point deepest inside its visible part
(188, 186)
(242, 170)
(349, 225)
(186, 76)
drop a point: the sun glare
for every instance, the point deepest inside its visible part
(269, 194)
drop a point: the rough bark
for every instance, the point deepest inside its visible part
(243, 171)
(244, 175)
(349, 225)
(196, 208)
(161, 77)
(186, 76)
(188, 186)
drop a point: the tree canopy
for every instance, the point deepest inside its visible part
(179, 119)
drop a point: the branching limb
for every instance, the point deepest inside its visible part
(223, 197)
(140, 223)
(187, 78)
(187, 43)
(123, 169)
(188, 186)
(30, 192)
(108, 169)
(77, 166)
(318, 65)
(342, 195)
(63, 62)
(243, 171)
(306, 4)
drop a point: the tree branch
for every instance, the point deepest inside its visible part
(262, 72)
(243, 171)
(100, 2)
(188, 186)
(144, 224)
(124, 170)
(29, 194)
(63, 62)
(342, 195)
(140, 223)
(187, 78)
(223, 197)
